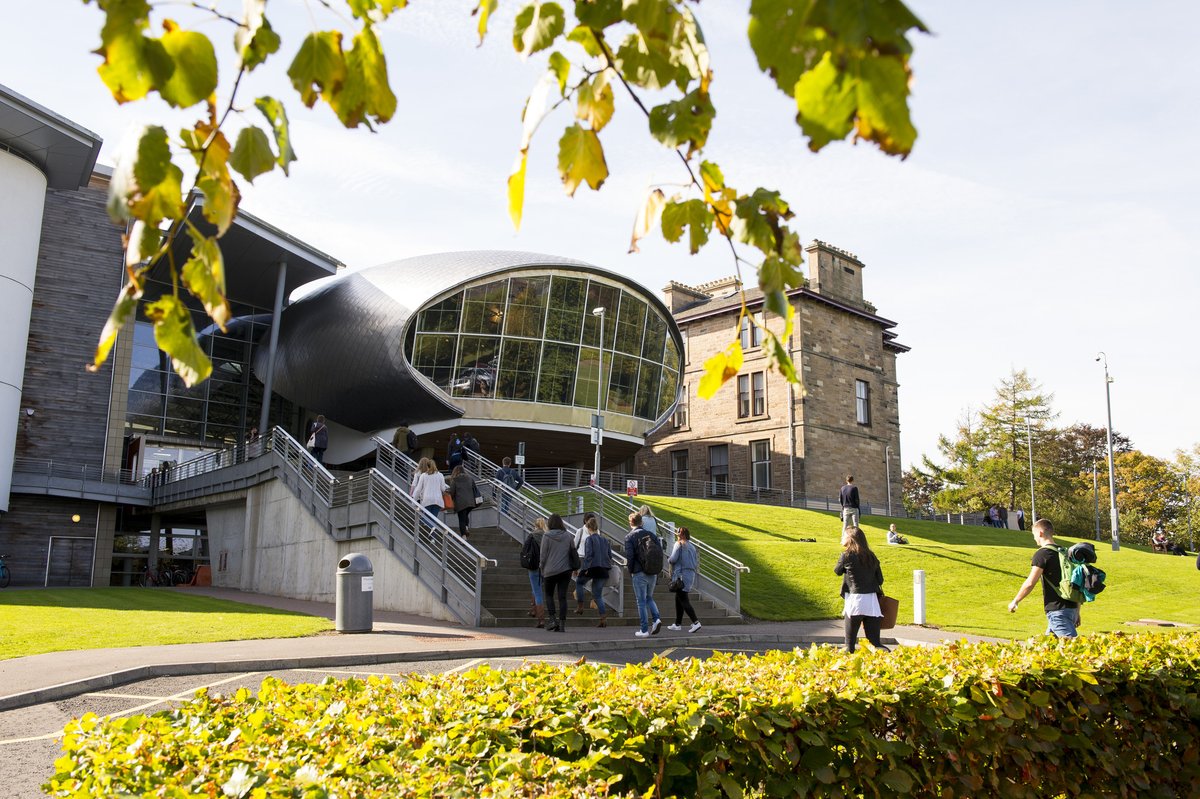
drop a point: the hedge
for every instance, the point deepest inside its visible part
(1106, 715)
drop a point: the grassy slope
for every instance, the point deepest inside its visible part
(53, 620)
(971, 573)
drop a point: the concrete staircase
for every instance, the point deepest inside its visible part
(506, 594)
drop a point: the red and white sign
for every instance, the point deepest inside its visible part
(631, 487)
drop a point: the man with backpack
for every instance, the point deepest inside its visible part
(644, 553)
(1062, 614)
(510, 477)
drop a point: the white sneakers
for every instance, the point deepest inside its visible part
(642, 634)
(693, 628)
(657, 625)
(674, 627)
(654, 628)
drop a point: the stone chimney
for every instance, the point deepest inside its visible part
(678, 296)
(835, 273)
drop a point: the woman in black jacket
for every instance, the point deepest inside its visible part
(862, 583)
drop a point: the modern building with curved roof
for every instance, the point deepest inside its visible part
(504, 344)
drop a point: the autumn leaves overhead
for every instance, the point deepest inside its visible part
(845, 63)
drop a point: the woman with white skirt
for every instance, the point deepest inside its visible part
(862, 583)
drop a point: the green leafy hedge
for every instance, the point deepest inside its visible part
(1107, 715)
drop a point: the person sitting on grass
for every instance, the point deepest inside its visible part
(893, 537)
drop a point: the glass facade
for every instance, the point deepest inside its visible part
(532, 337)
(216, 413)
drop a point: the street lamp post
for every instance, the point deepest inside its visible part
(1096, 498)
(1112, 476)
(598, 427)
(1029, 443)
(887, 464)
(1187, 494)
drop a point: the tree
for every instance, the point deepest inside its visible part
(918, 491)
(960, 490)
(1149, 495)
(845, 63)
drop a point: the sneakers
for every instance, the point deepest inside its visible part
(642, 634)
(694, 627)
(674, 627)
(654, 628)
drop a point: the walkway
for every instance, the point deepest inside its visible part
(396, 637)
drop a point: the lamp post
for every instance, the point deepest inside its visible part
(1187, 494)
(598, 426)
(1112, 476)
(1096, 498)
(1029, 443)
(887, 464)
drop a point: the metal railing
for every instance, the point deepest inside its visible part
(364, 504)
(485, 469)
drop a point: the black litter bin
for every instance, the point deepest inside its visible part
(355, 594)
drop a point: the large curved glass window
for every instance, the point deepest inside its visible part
(533, 337)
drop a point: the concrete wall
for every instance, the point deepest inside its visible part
(270, 544)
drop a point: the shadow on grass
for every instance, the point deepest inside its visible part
(133, 599)
(974, 563)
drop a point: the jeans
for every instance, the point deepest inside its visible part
(464, 517)
(597, 586)
(849, 517)
(1062, 622)
(643, 592)
(557, 584)
(319, 454)
(535, 585)
(581, 587)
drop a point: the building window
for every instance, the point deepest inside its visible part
(718, 470)
(680, 419)
(751, 334)
(760, 465)
(862, 396)
(752, 395)
(679, 472)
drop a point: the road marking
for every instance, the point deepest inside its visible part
(156, 701)
(347, 671)
(106, 694)
(470, 664)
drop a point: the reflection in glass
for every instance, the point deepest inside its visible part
(483, 308)
(656, 334)
(631, 324)
(475, 375)
(585, 378)
(565, 318)
(442, 317)
(518, 369)
(623, 383)
(526, 311)
(646, 405)
(600, 296)
(556, 381)
(433, 356)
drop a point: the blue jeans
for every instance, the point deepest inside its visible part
(643, 592)
(596, 584)
(1062, 622)
(535, 584)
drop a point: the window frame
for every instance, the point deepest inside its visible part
(763, 463)
(862, 402)
(679, 419)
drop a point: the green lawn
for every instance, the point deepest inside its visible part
(971, 573)
(53, 620)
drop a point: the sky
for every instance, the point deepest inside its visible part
(1049, 210)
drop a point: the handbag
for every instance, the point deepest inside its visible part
(312, 441)
(575, 561)
(615, 575)
(890, 608)
(478, 496)
(676, 584)
(447, 500)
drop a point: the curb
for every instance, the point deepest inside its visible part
(67, 690)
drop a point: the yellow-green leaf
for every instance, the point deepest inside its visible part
(145, 184)
(594, 102)
(581, 159)
(204, 276)
(254, 39)
(194, 78)
(176, 336)
(318, 66)
(276, 114)
(122, 312)
(133, 64)
(883, 105)
(365, 96)
(252, 154)
(143, 243)
(537, 26)
(561, 68)
(720, 368)
(691, 214)
(648, 217)
(516, 190)
(684, 121)
(484, 12)
(221, 198)
(826, 102)
(585, 37)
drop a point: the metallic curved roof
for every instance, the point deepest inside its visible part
(341, 345)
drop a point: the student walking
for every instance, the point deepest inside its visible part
(531, 561)
(1062, 615)
(556, 571)
(685, 565)
(428, 489)
(643, 575)
(463, 491)
(581, 582)
(849, 499)
(318, 440)
(862, 583)
(596, 561)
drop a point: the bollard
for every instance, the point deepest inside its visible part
(919, 596)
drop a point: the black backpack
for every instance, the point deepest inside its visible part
(531, 553)
(650, 553)
(412, 440)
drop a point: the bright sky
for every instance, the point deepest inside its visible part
(1048, 211)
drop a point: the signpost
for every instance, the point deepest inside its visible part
(631, 487)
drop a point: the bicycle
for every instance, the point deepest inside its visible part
(5, 574)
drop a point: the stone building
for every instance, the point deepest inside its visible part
(762, 437)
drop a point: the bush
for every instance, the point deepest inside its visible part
(1108, 715)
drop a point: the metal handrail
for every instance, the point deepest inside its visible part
(486, 469)
(58, 470)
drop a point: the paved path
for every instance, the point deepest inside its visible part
(396, 637)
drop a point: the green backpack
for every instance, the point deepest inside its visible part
(1065, 588)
